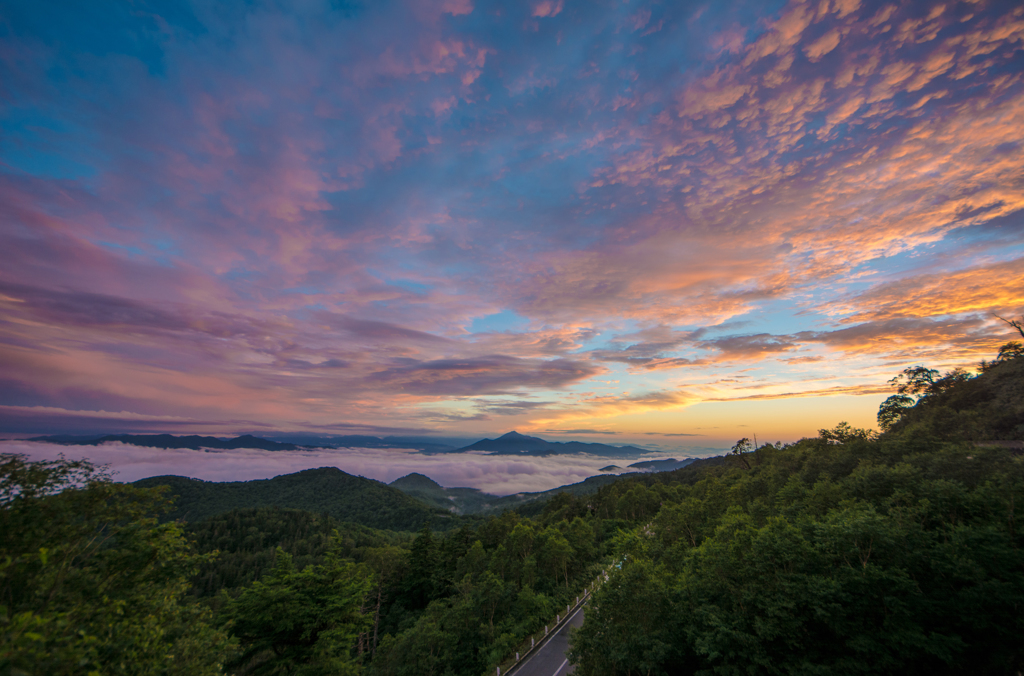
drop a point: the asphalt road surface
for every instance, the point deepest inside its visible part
(551, 660)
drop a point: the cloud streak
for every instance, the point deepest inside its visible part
(464, 214)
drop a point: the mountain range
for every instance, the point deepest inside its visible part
(193, 441)
(514, 443)
(422, 444)
(403, 505)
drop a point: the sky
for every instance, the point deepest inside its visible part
(673, 224)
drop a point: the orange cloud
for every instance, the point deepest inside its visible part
(837, 391)
(823, 45)
(988, 289)
(589, 408)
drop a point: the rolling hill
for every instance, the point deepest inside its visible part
(324, 490)
(666, 465)
(457, 500)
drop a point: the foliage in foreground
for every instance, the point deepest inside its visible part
(864, 557)
(301, 622)
(460, 604)
(90, 583)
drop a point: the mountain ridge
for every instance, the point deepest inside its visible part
(328, 490)
(459, 500)
(193, 442)
(514, 443)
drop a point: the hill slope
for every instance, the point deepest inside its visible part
(989, 406)
(666, 465)
(457, 500)
(324, 490)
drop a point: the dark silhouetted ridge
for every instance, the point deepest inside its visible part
(514, 443)
(193, 442)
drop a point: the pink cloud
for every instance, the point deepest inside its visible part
(457, 7)
(302, 227)
(547, 8)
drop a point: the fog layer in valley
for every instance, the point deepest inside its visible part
(497, 474)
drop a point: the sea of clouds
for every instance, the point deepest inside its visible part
(497, 474)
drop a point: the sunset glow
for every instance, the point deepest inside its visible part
(669, 224)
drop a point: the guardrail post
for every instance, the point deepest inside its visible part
(545, 630)
(531, 643)
(556, 618)
(517, 657)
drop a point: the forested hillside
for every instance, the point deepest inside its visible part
(848, 553)
(958, 405)
(327, 489)
(851, 552)
(90, 583)
(456, 500)
(246, 542)
(862, 556)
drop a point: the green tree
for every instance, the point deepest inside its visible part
(520, 540)
(1010, 350)
(302, 622)
(556, 554)
(388, 564)
(844, 432)
(741, 449)
(682, 522)
(892, 410)
(419, 582)
(915, 380)
(580, 535)
(90, 583)
(629, 627)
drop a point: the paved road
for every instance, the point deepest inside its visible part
(550, 660)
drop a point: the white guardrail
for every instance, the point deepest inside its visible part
(549, 630)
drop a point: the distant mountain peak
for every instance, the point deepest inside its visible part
(416, 481)
(514, 443)
(417, 475)
(515, 435)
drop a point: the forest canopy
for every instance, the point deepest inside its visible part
(850, 552)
